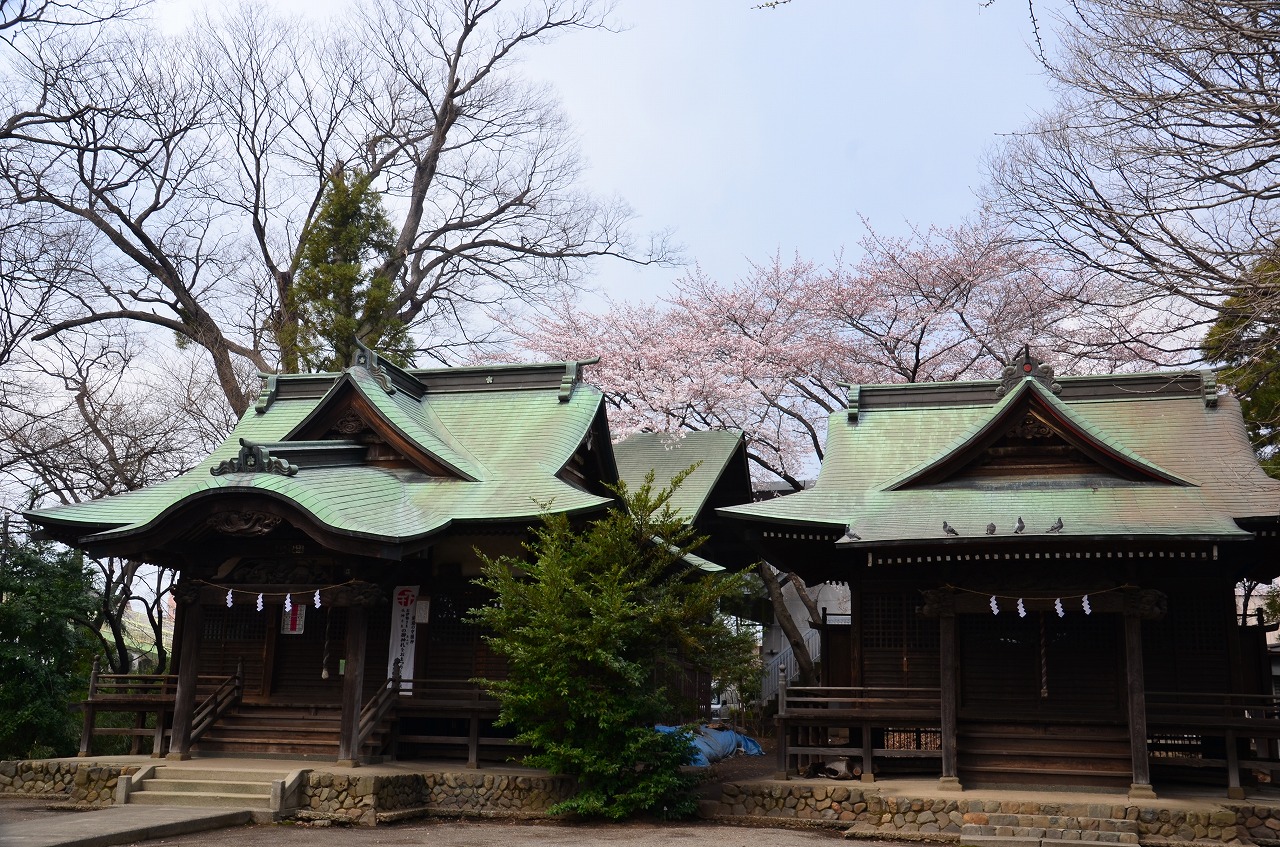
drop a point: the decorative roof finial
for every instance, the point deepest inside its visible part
(366, 358)
(1028, 368)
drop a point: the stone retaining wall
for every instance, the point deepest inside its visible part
(864, 811)
(76, 782)
(376, 799)
(1262, 823)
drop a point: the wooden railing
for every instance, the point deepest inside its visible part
(444, 702)
(377, 709)
(222, 698)
(142, 695)
(1214, 730)
(817, 723)
(1215, 709)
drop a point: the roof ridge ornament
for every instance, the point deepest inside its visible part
(572, 376)
(366, 358)
(1029, 368)
(254, 458)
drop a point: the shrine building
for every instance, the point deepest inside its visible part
(327, 552)
(1043, 576)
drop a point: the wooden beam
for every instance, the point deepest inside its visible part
(353, 685)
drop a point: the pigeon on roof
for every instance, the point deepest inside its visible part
(1019, 526)
(949, 529)
(1057, 526)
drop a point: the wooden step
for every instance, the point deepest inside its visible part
(1044, 755)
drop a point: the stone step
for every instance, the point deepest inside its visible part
(206, 786)
(218, 774)
(1013, 836)
(201, 799)
(1062, 821)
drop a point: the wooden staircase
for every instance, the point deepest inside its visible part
(299, 732)
(1057, 755)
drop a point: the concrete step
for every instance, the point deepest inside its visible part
(1048, 838)
(183, 772)
(1042, 830)
(1061, 821)
(201, 800)
(206, 785)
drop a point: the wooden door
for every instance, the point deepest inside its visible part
(1041, 667)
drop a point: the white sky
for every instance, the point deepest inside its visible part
(754, 131)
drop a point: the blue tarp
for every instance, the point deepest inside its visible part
(712, 745)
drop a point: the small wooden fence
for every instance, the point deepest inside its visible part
(152, 695)
(447, 717)
(1214, 731)
(818, 723)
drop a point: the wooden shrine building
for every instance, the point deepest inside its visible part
(326, 554)
(1043, 578)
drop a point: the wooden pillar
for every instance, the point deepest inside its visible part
(783, 769)
(1141, 786)
(950, 780)
(353, 685)
(855, 632)
(188, 678)
(868, 755)
(90, 713)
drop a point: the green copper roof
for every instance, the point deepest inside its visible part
(1195, 471)
(526, 433)
(667, 454)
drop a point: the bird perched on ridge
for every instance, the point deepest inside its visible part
(991, 529)
(949, 529)
(1019, 526)
(1057, 526)
(849, 535)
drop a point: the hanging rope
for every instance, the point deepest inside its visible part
(1012, 597)
(1044, 661)
(263, 596)
(324, 661)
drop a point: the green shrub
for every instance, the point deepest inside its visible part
(593, 626)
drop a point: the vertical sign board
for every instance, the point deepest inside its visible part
(404, 631)
(293, 622)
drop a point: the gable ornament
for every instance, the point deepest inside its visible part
(254, 458)
(1027, 367)
(243, 524)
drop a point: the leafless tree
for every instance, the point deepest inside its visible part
(81, 421)
(198, 162)
(1157, 171)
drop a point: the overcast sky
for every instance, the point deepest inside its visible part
(753, 131)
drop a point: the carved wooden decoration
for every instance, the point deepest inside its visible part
(244, 524)
(350, 424)
(1032, 427)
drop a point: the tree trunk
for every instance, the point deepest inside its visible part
(803, 660)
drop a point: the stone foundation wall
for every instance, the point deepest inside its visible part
(864, 811)
(1262, 823)
(381, 799)
(76, 782)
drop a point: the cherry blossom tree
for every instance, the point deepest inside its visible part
(772, 352)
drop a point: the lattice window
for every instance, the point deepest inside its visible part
(241, 623)
(882, 621)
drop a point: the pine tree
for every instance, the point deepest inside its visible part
(336, 297)
(595, 627)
